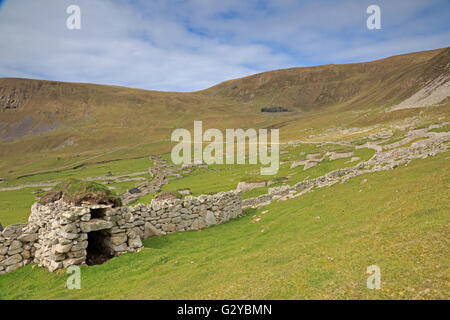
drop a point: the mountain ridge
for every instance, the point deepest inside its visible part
(42, 118)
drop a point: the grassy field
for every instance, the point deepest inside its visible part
(315, 246)
(226, 177)
(117, 168)
(398, 220)
(15, 205)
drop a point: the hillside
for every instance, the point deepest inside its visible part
(84, 123)
(362, 180)
(356, 86)
(289, 253)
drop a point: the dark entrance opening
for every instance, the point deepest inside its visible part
(98, 213)
(97, 250)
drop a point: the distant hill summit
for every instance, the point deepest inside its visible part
(360, 85)
(73, 121)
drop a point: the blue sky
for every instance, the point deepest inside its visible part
(186, 45)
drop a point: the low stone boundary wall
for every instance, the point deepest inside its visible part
(58, 235)
(16, 247)
(189, 213)
(381, 161)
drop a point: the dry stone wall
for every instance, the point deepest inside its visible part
(16, 246)
(64, 231)
(59, 235)
(189, 213)
(381, 161)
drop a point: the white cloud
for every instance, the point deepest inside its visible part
(191, 45)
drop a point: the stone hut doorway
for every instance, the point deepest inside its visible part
(98, 251)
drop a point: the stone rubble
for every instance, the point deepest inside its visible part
(335, 156)
(385, 158)
(432, 94)
(312, 160)
(247, 186)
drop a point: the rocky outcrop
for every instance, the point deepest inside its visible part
(275, 109)
(11, 98)
(431, 94)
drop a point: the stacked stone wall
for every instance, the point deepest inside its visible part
(57, 234)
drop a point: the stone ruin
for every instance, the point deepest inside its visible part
(59, 235)
(384, 159)
(162, 173)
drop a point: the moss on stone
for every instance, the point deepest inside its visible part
(78, 192)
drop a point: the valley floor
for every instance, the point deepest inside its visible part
(312, 245)
(317, 246)
(360, 182)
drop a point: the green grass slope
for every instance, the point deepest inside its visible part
(398, 220)
(351, 86)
